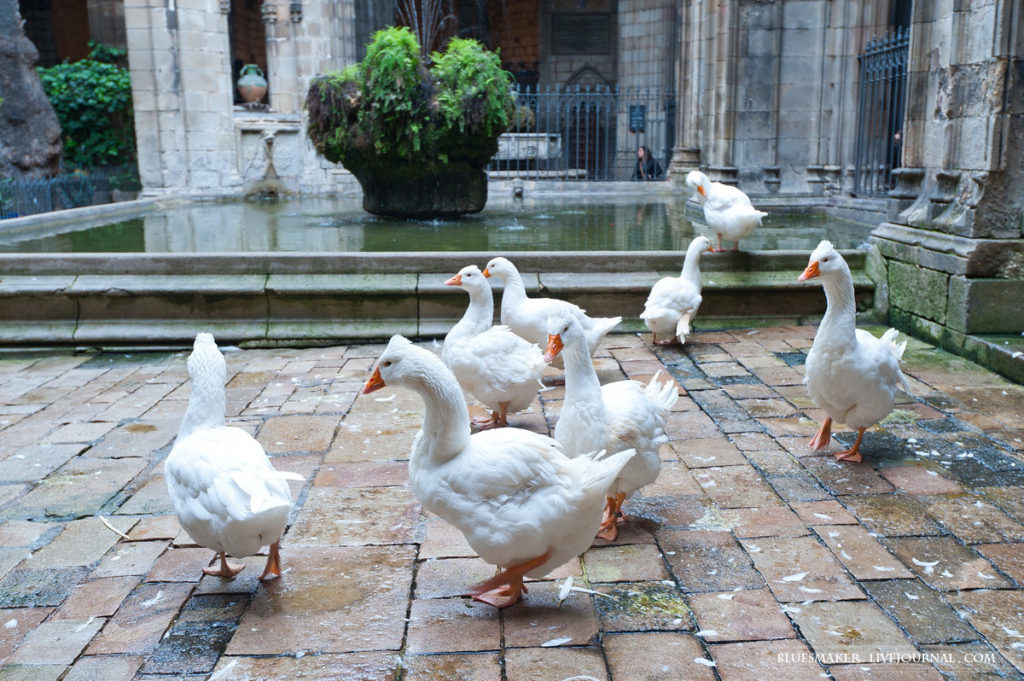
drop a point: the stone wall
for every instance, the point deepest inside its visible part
(953, 242)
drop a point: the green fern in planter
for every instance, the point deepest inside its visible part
(393, 112)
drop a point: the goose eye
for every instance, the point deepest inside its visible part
(386, 363)
(826, 258)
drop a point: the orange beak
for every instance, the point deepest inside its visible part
(454, 281)
(811, 271)
(376, 382)
(554, 347)
(486, 273)
(700, 190)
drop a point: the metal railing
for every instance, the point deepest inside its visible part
(42, 195)
(585, 132)
(879, 143)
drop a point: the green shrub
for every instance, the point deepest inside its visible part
(93, 102)
(391, 110)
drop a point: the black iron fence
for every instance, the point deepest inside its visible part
(585, 133)
(879, 144)
(42, 195)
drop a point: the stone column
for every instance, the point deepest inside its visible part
(182, 93)
(952, 244)
(686, 152)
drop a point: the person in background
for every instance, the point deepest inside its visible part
(647, 167)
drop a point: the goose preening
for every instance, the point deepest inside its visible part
(620, 415)
(528, 317)
(225, 492)
(727, 210)
(499, 368)
(522, 504)
(850, 374)
(673, 301)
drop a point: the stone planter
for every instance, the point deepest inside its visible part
(448, 194)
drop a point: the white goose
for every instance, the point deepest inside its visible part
(227, 495)
(727, 210)
(494, 365)
(617, 416)
(528, 317)
(850, 374)
(522, 504)
(673, 301)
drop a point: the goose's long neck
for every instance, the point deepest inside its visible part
(691, 267)
(581, 382)
(446, 419)
(840, 321)
(206, 405)
(478, 316)
(513, 294)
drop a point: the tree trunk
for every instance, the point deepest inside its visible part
(30, 142)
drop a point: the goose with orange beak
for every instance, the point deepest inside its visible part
(494, 365)
(617, 416)
(727, 210)
(522, 504)
(850, 374)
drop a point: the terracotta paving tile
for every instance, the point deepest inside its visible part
(323, 609)
(970, 662)
(892, 515)
(17, 623)
(851, 632)
(791, 427)
(1007, 498)
(36, 461)
(554, 664)
(129, 558)
(781, 660)
(885, 672)
(444, 578)
(946, 565)
(705, 561)
(735, 487)
(378, 431)
(478, 667)
(823, 513)
(629, 563)
(861, 553)
(674, 479)
(104, 668)
(683, 511)
(210, 619)
(841, 478)
(368, 666)
(754, 442)
(656, 656)
(766, 521)
(446, 625)
(443, 540)
(23, 532)
(541, 620)
(141, 620)
(752, 615)
(693, 424)
(707, 452)
(974, 520)
(920, 611)
(1009, 558)
(920, 480)
(799, 569)
(78, 488)
(32, 672)
(642, 606)
(186, 565)
(356, 516)
(999, 616)
(96, 598)
(775, 462)
(156, 527)
(746, 391)
(363, 474)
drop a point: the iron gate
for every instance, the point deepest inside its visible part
(879, 145)
(584, 132)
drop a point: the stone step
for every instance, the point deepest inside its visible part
(166, 300)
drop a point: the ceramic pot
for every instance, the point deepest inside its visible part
(251, 83)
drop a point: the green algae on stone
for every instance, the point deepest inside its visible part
(642, 606)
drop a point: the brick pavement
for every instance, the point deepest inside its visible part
(749, 558)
